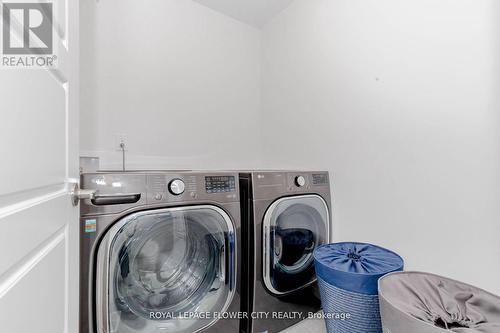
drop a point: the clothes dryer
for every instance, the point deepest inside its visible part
(285, 216)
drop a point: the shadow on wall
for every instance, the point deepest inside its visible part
(112, 160)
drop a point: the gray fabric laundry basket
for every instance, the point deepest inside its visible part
(348, 276)
(414, 302)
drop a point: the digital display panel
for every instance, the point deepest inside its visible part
(320, 179)
(220, 184)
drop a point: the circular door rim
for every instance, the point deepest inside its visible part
(103, 259)
(266, 241)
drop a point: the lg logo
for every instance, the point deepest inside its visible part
(27, 28)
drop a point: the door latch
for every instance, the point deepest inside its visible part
(78, 194)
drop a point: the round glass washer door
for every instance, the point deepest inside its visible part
(158, 268)
(293, 227)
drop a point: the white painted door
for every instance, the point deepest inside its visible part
(38, 159)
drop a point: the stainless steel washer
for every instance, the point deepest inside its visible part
(157, 250)
(285, 216)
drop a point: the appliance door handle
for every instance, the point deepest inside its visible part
(231, 268)
(222, 274)
(266, 253)
(115, 199)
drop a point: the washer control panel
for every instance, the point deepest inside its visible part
(220, 184)
(171, 187)
(176, 186)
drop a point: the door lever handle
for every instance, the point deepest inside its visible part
(78, 194)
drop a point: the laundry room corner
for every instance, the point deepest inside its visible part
(400, 101)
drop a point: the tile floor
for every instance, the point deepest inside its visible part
(308, 326)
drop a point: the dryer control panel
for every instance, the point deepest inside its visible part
(268, 184)
(300, 181)
(320, 178)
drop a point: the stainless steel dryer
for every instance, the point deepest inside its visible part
(160, 252)
(285, 216)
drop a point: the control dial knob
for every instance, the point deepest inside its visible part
(300, 181)
(176, 187)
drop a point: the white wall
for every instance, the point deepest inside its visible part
(180, 81)
(399, 100)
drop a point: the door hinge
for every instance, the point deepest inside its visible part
(78, 194)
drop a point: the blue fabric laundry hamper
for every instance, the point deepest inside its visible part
(348, 275)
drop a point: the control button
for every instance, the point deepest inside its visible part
(158, 196)
(300, 181)
(176, 187)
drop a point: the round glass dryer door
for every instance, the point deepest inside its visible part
(293, 228)
(158, 269)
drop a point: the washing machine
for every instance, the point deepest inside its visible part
(160, 252)
(285, 216)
